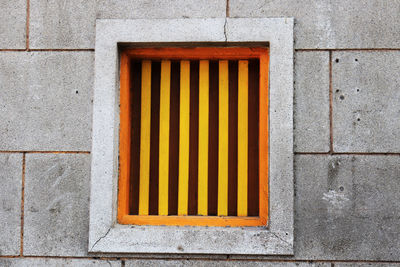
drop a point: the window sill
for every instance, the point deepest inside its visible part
(194, 240)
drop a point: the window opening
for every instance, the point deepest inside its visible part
(194, 136)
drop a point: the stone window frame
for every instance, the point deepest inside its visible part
(105, 234)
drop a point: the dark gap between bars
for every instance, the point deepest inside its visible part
(136, 81)
(213, 137)
(233, 135)
(194, 137)
(154, 136)
(174, 139)
(253, 148)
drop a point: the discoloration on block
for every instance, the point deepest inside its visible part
(354, 218)
(10, 203)
(220, 263)
(366, 99)
(365, 264)
(331, 24)
(311, 102)
(56, 204)
(39, 262)
(160, 9)
(39, 106)
(62, 24)
(335, 200)
(12, 24)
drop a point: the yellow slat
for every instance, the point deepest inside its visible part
(184, 117)
(223, 139)
(165, 86)
(242, 137)
(145, 138)
(203, 138)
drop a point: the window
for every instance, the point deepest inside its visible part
(108, 232)
(194, 136)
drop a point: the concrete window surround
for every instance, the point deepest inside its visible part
(105, 234)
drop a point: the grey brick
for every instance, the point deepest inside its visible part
(45, 100)
(347, 207)
(62, 24)
(12, 24)
(205, 263)
(40, 262)
(311, 102)
(366, 101)
(56, 204)
(332, 24)
(10, 199)
(130, 9)
(365, 264)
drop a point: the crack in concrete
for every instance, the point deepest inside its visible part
(100, 239)
(226, 37)
(280, 238)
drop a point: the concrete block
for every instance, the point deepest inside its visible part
(160, 9)
(311, 102)
(10, 199)
(13, 24)
(62, 24)
(347, 207)
(366, 101)
(45, 100)
(366, 264)
(56, 204)
(206, 263)
(332, 24)
(40, 262)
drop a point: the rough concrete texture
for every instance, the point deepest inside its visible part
(10, 199)
(205, 263)
(12, 24)
(366, 101)
(45, 100)
(62, 24)
(347, 207)
(56, 204)
(332, 24)
(311, 102)
(193, 240)
(160, 9)
(40, 262)
(366, 264)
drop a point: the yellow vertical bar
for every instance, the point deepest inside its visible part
(163, 174)
(203, 138)
(243, 78)
(144, 176)
(183, 187)
(223, 139)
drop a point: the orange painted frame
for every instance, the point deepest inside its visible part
(216, 53)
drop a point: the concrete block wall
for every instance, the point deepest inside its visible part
(347, 129)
